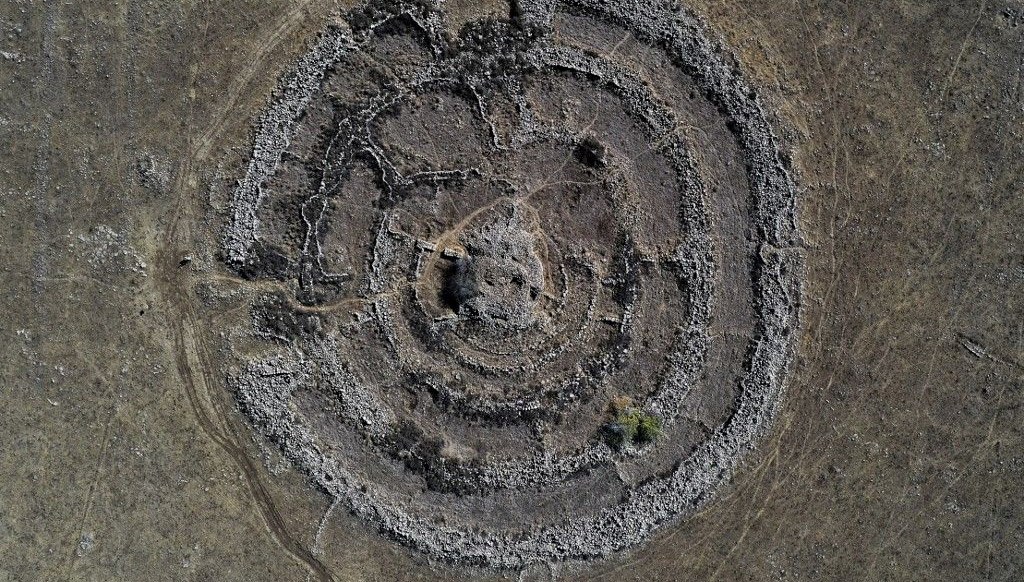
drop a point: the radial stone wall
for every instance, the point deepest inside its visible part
(492, 250)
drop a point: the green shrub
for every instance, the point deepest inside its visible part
(632, 426)
(647, 429)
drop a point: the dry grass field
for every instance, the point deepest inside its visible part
(896, 452)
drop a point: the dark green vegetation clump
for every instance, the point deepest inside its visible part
(631, 426)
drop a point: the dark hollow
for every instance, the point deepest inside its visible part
(459, 286)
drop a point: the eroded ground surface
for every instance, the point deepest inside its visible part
(895, 453)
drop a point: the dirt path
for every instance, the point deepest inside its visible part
(193, 355)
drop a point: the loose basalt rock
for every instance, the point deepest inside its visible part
(482, 240)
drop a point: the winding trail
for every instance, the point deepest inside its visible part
(192, 354)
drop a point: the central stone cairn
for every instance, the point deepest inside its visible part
(496, 253)
(499, 280)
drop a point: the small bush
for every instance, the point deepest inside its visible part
(631, 426)
(647, 429)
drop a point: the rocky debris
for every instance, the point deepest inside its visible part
(499, 281)
(108, 250)
(513, 284)
(153, 173)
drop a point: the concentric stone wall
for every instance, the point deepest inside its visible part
(484, 249)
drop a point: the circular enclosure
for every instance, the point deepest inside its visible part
(534, 284)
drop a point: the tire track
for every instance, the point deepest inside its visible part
(192, 355)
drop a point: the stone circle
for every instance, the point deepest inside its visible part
(535, 282)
